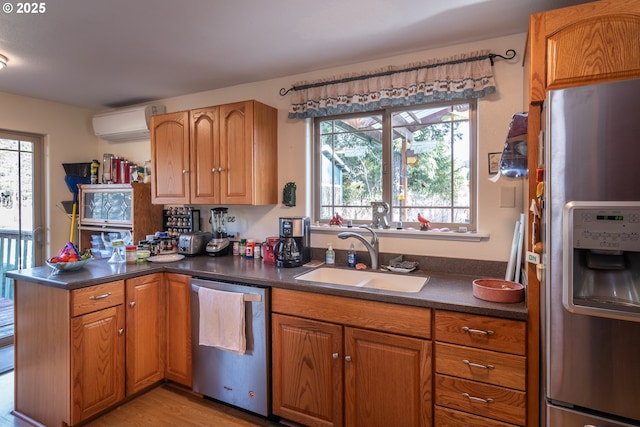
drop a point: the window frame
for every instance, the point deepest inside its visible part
(387, 179)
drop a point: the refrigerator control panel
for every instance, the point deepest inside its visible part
(604, 225)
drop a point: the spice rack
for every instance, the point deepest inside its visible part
(180, 220)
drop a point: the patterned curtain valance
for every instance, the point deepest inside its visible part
(462, 76)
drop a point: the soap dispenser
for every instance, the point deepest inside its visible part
(330, 257)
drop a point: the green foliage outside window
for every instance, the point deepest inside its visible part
(419, 162)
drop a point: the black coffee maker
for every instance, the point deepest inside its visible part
(293, 249)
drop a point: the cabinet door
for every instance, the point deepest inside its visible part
(178, 329)
(236, 152)
(307, 371)
(97, 362)
(387, 380)
(205, 156)
(170, 158)
(145, 332)
(589, 43)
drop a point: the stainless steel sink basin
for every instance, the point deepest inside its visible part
(365, 279)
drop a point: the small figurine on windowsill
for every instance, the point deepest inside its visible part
(425, 224)
(336, 220)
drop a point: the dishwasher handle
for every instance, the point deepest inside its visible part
(247, 297)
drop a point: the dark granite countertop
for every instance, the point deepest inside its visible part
(443, 291)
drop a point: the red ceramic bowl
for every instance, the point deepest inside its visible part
(496, 290)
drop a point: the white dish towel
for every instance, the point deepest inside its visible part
(222, 320)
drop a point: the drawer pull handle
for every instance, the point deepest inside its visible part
(103, 296)
(477, 399)
(477, 365)
(476, 331)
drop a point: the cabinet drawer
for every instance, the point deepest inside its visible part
(445, 417)
(486, 400)
(506, 370)
(490, 333)
(381, 316)
(92, 298)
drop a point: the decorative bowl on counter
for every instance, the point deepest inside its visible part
(496, 290)
(67, 266)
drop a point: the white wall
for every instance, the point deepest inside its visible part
(294, 149)
(69, 138)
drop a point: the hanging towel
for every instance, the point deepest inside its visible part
(222, 320)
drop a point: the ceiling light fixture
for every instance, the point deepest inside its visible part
(3, 61)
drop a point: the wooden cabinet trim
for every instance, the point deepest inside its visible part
(394, 318)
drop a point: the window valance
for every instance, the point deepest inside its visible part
(459, 77)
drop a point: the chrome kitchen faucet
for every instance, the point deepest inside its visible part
(372, 246)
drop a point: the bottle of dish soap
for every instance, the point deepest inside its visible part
(330, 257)
(351, 256)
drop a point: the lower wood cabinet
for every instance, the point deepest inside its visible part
(480, 371)
(145, 342)
(82, 352)
(354, 367)
(178, 329)
(98, 349)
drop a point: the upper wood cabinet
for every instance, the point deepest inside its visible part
(589, 43)
(223, 154)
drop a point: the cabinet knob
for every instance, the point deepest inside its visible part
(347, 358)
(184, 171)
(335, 355)
(132, 304)
(120, 331)
(220, 169)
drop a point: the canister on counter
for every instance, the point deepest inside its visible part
(249, 248)
(257, 251)
(236, 248)
(132, 255)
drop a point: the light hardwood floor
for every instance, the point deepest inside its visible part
(163, 406)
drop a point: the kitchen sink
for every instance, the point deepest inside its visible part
(365, 279)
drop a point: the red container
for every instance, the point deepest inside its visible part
(115, 170)
(267, 250)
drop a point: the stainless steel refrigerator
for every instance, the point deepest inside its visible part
(591, 232)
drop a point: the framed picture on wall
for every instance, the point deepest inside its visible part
(494, 163)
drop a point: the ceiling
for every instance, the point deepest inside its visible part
(100, 54)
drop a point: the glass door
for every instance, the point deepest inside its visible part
(20, 216)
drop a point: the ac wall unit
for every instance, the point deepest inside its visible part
(125, 124)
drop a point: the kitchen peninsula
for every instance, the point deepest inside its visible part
(79, 337)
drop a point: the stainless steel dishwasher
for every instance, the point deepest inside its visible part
(241, 380)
